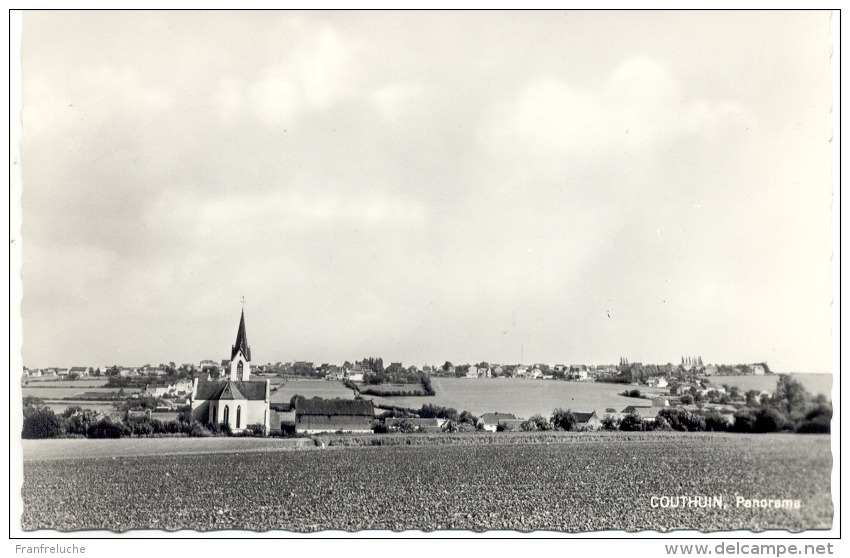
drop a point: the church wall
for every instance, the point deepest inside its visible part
(200, 411)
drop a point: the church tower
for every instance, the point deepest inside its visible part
(240, 355)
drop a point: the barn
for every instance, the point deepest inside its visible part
(316, 415)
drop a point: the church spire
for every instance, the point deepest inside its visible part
(241, 341)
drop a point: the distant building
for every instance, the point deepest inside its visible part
(237, 401)
(491, 421)
(313, 416)
(588, 420)
(757, 369)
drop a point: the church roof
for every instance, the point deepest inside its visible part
(241, 341)
(334, 407)
(227, 389)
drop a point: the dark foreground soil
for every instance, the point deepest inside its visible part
(566, 484)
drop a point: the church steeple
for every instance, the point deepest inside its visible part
(241, 341)
(240, 354)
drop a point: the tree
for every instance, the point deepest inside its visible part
(447, 366)
(752, 398)
(632, 423)
(610, 423)
(41, 423)
(535, 423)
(817, 420)
(790, 396)
(564, 420)
(769, 420)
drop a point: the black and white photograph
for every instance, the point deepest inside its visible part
(478, 273)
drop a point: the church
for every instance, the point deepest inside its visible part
(238, 401)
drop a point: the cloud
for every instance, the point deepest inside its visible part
(394, 100)
(311, 74)
(639, 107)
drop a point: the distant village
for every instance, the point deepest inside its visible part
(624, 372)
(174, 387)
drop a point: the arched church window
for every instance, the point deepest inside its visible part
(214, 414)
(238, 416)
(226, 414)
(239, 370)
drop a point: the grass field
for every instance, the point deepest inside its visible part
(58, 392)
(522, 397)
(814, 383)
(573, 486)
(311, 388)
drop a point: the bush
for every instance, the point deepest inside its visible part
(632, 423)
(287, 428)
(536, 423)
(379, 427)
(198, 430)
(610, 423)
(770, 420)
(745, 421)
(435, 411)
(716, 422)
(816, 421)
(41, 423)
(105, 428)
(256, 429)
(564, 420)
(682, 420)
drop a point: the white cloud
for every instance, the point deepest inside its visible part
(393, 100)
(313, 75)
(639, 107)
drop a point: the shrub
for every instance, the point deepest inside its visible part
(770, 420)
(105, 428)
(745, 421)
(256, 429)
(535, 423)
(198, 430)
(564, 420)
(41, 423)
(379, 427)
(610, 423)
(632, 423)
(287, 428)
(816, 421)
(716, 422)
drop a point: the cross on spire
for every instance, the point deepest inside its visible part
(243, 302)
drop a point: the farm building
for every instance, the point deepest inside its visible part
(492, 421)
(237, 401)
(590, 420)
(333, 415)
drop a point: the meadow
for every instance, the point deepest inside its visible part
(522, 397)
(579, 484)
(310, 388)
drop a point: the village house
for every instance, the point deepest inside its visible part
(757, 369)
(492, 421)
(237, 401)
(646, 414)
(313, 416)
(173, 389)
(588, 420)
(657, 382)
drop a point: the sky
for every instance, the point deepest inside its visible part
(559, 187)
